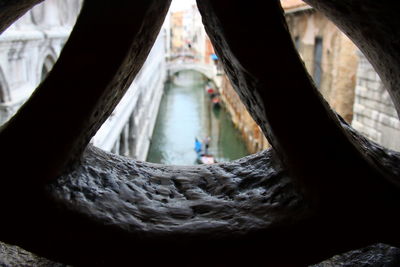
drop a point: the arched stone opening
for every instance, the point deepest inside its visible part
(4, 98)
(47, 65)
(205, 69)
(175, 74)
(205, 74)
(294, 205)
(4, 92)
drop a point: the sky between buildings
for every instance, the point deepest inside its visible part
(178, 5)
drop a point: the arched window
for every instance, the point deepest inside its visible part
(318, 61)
(47, 66)
(1, 94)
(297, 42)
(4, 97)
(4, 94)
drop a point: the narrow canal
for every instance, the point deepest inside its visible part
(186, 113)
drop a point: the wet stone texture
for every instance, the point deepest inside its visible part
(371, 256)
(245, 195)
(12, 10)
(11, 256)
(107, 210)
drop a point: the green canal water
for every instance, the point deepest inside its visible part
(186, 113)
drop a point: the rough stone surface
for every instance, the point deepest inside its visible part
(371, 26)
(375, 114)
(371, 256)
(95, 85)
(11, 10)
(12, 256)
(296, 126)
(338, 60)
(298, 204)
(157, 199)
(29, 49)
(253, 135)
(188, 208)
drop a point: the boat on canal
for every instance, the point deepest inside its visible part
(206, 159)
(216, 101)
(210, 90)
(203, 157)
(186, 111)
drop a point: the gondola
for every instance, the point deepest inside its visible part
(205, 159)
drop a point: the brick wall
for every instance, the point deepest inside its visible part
(374, 112)
(339, 58)
(251, 132)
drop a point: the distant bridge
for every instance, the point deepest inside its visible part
(208, 70)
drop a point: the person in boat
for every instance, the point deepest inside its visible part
(206, 142)
(216, 101)
(197, 146)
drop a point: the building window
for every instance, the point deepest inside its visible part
(318, 61)
(45, 71)
(4, 93)
(47, 66)
(297, 42)
(1, 94)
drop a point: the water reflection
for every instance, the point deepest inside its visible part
(186, 112)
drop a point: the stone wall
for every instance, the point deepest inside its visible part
(129, 129)
(374, 112)
(349, 83)
(338, 60)
(177, 32)
(29, 48)
(251, 132)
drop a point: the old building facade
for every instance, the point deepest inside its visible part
(29, 48)
(343, 74)
(129, 129)
(188, 37)
(177, 31)
(252, 134)
(329, 56)
(374, 113)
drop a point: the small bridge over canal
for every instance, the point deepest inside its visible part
(208, 70)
